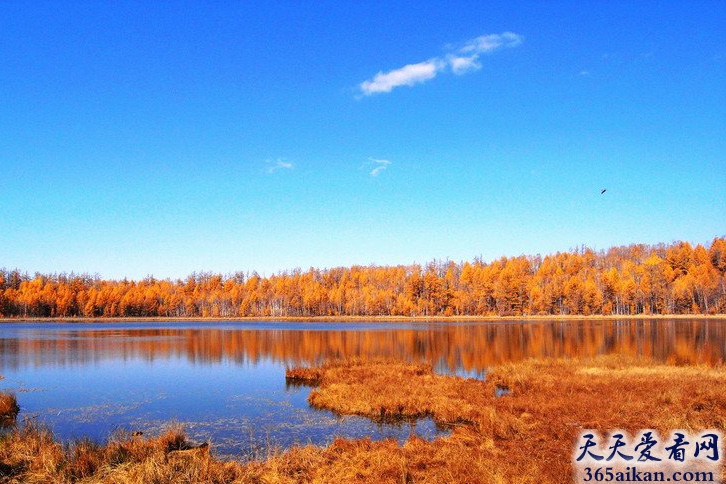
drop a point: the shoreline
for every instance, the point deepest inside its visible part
(367, 319)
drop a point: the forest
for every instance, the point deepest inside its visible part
(675, 278)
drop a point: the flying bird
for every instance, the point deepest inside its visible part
(603, 191)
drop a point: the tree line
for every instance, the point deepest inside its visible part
(672, 278)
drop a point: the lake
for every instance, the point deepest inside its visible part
(225, 381)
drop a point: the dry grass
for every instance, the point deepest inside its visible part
(524, 437)
(384, 389)
(8, 407)
(528, 435)
(31, 455)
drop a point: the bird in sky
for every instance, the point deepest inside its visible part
(603, 191)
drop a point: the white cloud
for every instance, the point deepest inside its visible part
(491, 42)
(405, 76)
(379, 166)
(278, 164)
(462, 65)
(463, 60)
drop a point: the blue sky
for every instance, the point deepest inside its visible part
(161, 138)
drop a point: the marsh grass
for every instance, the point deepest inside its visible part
(8, 408)
(526, 436)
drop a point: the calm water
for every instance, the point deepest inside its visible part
(226, 381)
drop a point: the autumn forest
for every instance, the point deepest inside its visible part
(636, 279)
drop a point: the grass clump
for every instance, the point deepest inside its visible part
(30, 454)
(387, 389)
(8, 407)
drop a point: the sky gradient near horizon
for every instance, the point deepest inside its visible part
(160, 138)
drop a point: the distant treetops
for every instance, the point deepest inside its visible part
(635, 279)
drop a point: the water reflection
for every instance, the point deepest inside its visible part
(468, 348)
